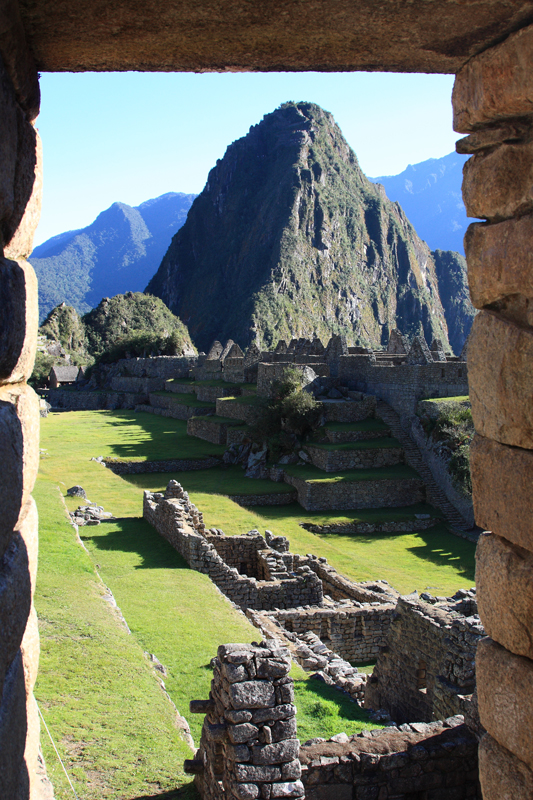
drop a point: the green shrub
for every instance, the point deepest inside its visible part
(288, 416)
(41, 370)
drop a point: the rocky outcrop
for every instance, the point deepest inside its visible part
(289, 239)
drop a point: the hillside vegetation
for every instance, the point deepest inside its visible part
(289, 238)
(118, 252)
(131, 324)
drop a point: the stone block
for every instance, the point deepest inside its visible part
(500, 355)
(252, 694)
(504, 580)
(29, 178)
(502, 480)
(248, 772)
(502, 775)
(19, 454)
(16, 599)
(30, 649)
(18, 59)
(500, 260)
(505, 697)
(14, 778)
(18, 321)
(495, 85)
(277, 753)
(8, 144)
(498, 184)
(27, 189)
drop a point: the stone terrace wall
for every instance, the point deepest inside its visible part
(248, 748)
(338, 460)
(179, 521)
(428, 664)
(420, 762)
(394, 493)
(160, 367)
(403, 386)
(340, 588)
(353, 631)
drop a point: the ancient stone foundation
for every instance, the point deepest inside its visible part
(249, 750)
(492, 102)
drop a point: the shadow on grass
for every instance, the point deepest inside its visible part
(161, 437)
(444, 549)
(187, 792)
(134, 535)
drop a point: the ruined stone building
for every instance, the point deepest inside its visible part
(489, 46)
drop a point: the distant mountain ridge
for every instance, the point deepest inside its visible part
(118, 252)
(430, 195)
(289, 238)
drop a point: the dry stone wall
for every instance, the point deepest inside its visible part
(436, 761)
(392, 493)
(427, 668)
(248, 748)
(20, 198)
(338, 460)
(492, 103)
(179, 521)
(403, 386)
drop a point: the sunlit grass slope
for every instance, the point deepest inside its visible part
(113, 726)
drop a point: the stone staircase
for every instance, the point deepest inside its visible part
(413, 457)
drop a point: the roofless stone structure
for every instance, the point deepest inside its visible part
(489, 45)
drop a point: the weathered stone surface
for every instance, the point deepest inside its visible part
(502, 478)
(29, 174)
(31, 749)
(18, 59)
(500, 260)
(14, 779)
(19, 453)
(277, 753)
(502, 775)
(505, 697)
(30, 649)
(15, 601)
(248, 772)
(500, 355)
(8, 144)
(497, 184)
(495, 85)
(252, 694)
(504, 580)
(340, 36)
(241, 733)
(18, 320)
(247, 791)
(292, 789)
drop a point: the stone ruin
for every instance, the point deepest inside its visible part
(249, 747)
(423, 682)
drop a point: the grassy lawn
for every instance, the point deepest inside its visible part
(364, 425)
(124, 435)
(113, 726)
(384, 442)
(226, 480)
(306, 472)
(434, 558)
(462, 398)
(97, 692)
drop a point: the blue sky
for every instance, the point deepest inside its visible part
(132, 136)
